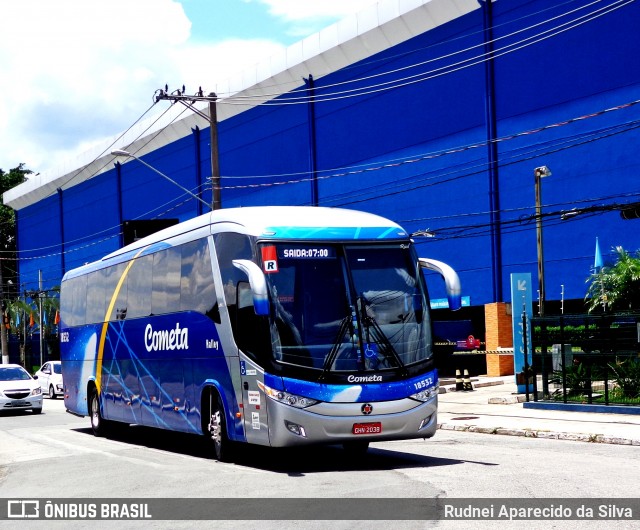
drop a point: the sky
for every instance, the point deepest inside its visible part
(74, 73)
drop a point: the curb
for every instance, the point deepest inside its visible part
(452, 388)
(551, 435)
(507, 400)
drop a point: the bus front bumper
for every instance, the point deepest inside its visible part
(289, 426)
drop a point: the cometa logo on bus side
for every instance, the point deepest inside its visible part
(166, 339)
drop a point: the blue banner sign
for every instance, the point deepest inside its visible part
(521, 302)
(443, 303)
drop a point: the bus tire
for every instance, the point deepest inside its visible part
(356, 448)
(99, 425)
(217, 429)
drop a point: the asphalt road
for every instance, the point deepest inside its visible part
(55, 455)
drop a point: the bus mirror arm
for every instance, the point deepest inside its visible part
(451, 280)
(258, 284)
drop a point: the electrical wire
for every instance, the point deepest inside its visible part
(107, 149)
(421, 63)
(434, 154)
(97, 171)
(476, 166)
(411, 160)
(319, 97)
(365, 78)
(449, 41)
(482, 168)
(230, 187)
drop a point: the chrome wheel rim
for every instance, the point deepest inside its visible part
(216, 431)
(95, 417)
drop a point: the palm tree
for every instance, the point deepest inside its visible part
(616, 286)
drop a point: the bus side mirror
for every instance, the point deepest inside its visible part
(258, 284)
(451, 280)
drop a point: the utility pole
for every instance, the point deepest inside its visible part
(178, 96)
(539, 173)
(216, 203)
(4, 343)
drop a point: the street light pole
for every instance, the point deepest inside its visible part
(539, 172)
(120, 152)
(41, 295)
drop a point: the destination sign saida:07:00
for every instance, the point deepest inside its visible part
(315, 252)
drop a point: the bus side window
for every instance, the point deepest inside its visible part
(197, 290)
(95, 297)
(112, 279)
(73, 301)
(139, 287)
(252, 331)
(230, 246)
(165, 296)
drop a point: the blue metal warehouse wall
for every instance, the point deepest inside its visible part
(414, 146)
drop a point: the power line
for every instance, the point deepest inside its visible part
(436, 154)
(400, 162)
(476, 166)
(387, 58)
(110, 160)
(286, 99)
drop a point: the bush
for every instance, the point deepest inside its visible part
(577, 335)
(577, 378)
(627, 377)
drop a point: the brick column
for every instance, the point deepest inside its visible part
(499, 334)
(497, 319)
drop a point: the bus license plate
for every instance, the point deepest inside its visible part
(367, 428)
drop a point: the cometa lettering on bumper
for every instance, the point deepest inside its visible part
(364, 378)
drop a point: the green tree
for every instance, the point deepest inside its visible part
(8, 180)
(8, 245)
(616, 287)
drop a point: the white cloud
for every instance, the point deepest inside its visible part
(76, 72)
(308, 16)
(301, 10)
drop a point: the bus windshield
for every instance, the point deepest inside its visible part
(346, 308)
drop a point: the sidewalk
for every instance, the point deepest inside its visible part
(494, 407)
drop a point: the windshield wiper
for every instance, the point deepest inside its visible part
(337, 343)
(372, 326)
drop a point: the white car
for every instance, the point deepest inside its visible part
(18, 390)
(50, 378)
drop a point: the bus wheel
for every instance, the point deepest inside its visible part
(218, 430)
(98, 423)
(356, 448)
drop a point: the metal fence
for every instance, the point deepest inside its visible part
(586, 358)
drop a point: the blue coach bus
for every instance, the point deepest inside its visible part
(277, 326)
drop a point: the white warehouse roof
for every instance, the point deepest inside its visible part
(373, 30)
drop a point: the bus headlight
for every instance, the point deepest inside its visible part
(292, 400)
(426, 394)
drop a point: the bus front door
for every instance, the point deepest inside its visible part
(253, 403)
